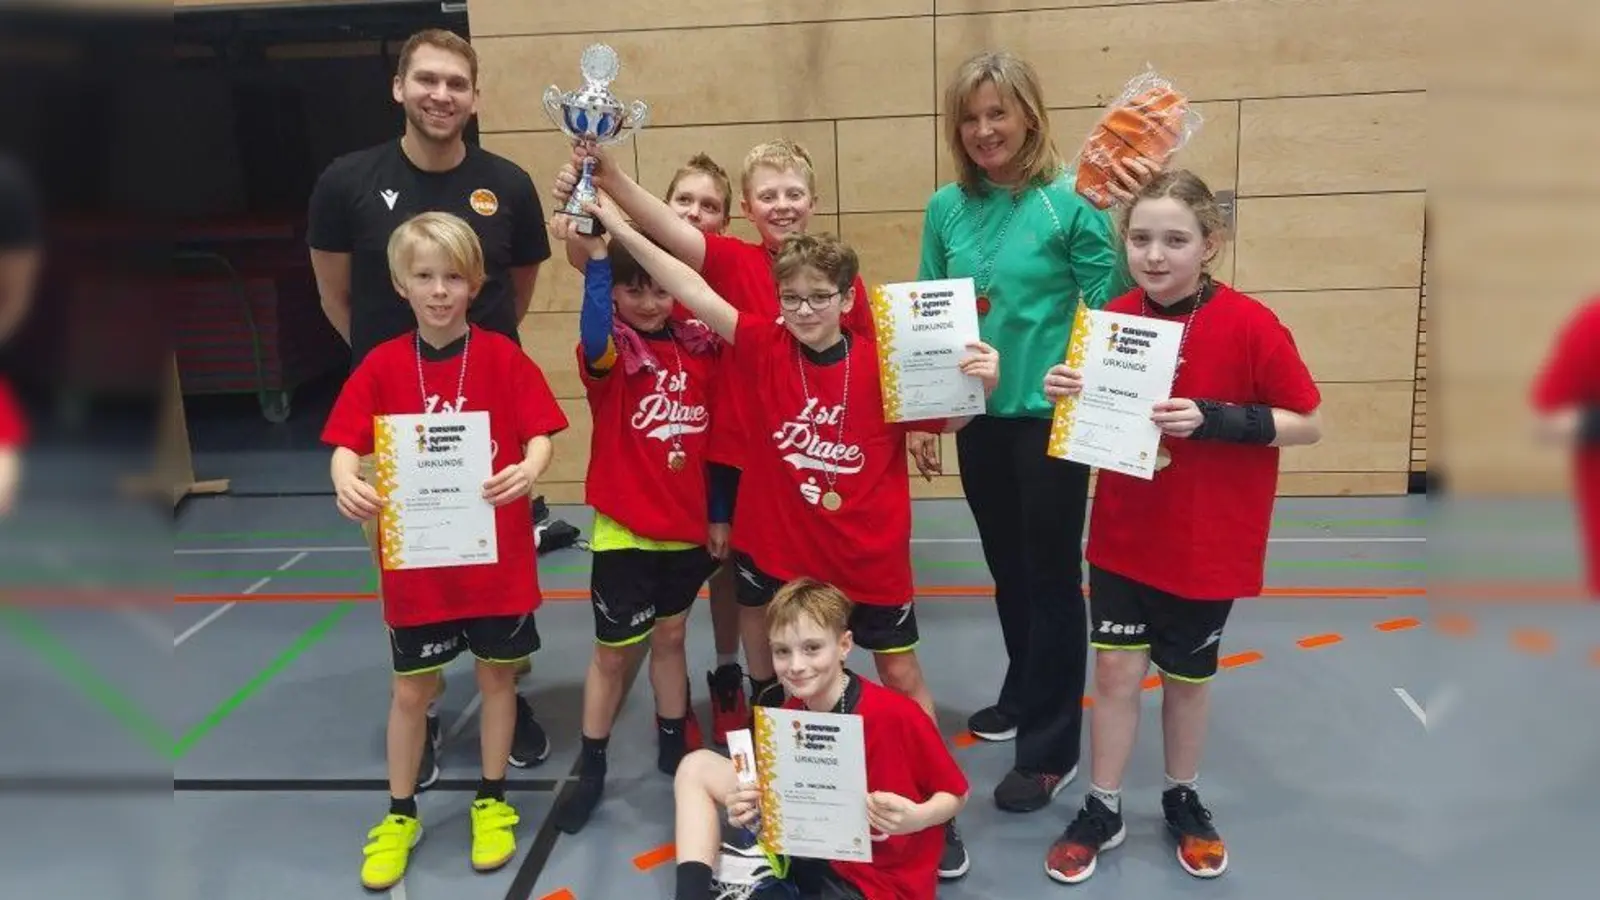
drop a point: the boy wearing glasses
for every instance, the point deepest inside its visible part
(825, 492)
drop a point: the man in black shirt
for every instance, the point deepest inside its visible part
(363, 196)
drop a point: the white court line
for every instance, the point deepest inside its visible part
(460, 724)
(1413, 705)
(219, 611)
(224, 551)
(398, 892)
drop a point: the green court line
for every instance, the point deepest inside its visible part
(306, 641)
(1399, 565)
(87, 680)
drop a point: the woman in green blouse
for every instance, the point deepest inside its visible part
(1014, 223)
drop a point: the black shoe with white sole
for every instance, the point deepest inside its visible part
(1074, 855)
(992, 724)
(1023, 791)
(955, 862)
(530, 746)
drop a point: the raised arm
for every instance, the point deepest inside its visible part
(671, 274)
(650, 214)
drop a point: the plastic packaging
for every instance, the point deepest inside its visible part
(1150, 118)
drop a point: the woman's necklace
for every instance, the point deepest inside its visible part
(831, 501)
(986, 258)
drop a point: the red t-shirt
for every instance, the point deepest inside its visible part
(741, 273)
(1571, 377)
(501, 380)
(1199, 528)
(906, 755)
(13, 427)
(864, 547)
(635, 417)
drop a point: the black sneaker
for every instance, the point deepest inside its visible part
(1073, 856)
(730, 708)
(1200, 849)
(955, 862)
(1023, 791)
(573, 810)
(428, 772)
(771, 696)
(530, 746)
(992, 724)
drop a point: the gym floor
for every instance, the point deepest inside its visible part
(1368, 738)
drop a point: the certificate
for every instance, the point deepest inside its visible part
(1128, 364)
(811, 769)
(430, 472)
(923, 329)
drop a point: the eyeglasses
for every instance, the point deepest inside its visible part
(818, 302)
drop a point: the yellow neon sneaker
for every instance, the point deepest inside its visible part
(388, 850)
(493, 841)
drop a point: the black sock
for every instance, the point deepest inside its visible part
(405, 807)
(673, 727)
(492, 789)
(694, 881)
(592, 758)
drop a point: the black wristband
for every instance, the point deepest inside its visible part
(1249, 423)
(1589, 427)
(722, 487)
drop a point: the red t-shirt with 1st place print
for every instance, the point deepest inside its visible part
(501, 380)
(741, 273)
(1571, 378)
(864, 547)
(907, 756)
(635, 418)
(1198, 529)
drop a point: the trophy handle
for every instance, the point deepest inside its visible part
(638, 115)
(552, 106)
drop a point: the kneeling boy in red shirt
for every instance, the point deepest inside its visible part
(914, 786)
(449, 366)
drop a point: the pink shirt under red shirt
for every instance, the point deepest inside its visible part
(906, 755)
(500, 379)
(1198, 529)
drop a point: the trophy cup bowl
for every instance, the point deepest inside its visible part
(592, 114)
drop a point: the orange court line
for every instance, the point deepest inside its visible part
(562, 894)
(1246, 658)
(1319, 640)
(1397, 624)
(1533, 640)
(1152, 682)
(649, 859)
(1455, 625)
(932, 590)
(964, 740)
(1594, 657)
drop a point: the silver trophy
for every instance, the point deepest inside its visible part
(593, 115)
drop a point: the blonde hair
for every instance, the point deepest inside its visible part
(836, 260)
(1189, 189)
(701, 164)
(783, 155)
(441, 39)
(1015, 79)
(808, 598)
(447, 232)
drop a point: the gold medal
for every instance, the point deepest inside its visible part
(831, 501)
(676, 460)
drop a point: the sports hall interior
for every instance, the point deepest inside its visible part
(1368, 737)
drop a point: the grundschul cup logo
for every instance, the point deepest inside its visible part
(592, 114)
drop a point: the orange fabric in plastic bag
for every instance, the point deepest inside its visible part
(1149, 125)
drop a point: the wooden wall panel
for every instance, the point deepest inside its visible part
(1317, 128)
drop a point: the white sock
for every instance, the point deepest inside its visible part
(1112, 799)
(1189, 783)
(727, 659)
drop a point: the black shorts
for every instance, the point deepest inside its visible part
(419, 649)
(1184, 637)
(630, 589)
(879, 629)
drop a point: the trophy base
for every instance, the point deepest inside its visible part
(585, 224)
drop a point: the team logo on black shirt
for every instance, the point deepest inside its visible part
(484, 202)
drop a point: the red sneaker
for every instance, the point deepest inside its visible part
(730, 708)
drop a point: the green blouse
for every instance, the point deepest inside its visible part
(1032, 257)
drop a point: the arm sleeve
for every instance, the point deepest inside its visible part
(594, 321)
(328, 225)
(932, 265)
(350, 422)
(722, 487)
(530, 242)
